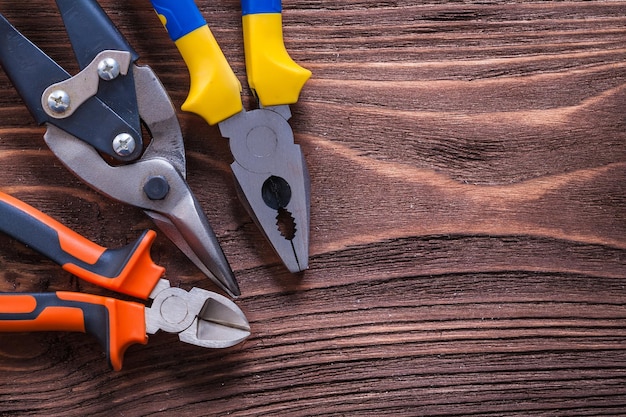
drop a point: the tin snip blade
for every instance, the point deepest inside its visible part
(93, 122)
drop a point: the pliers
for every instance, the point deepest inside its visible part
(199, 317)
(269, 168)
(93, 122)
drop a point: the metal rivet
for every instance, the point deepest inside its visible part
(156, 188)
(124, 144)
(59, 101)
(108, 69)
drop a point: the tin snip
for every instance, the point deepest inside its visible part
(199, 317)
(94, 120)
(269, 168)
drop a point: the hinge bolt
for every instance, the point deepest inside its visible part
(156, 188)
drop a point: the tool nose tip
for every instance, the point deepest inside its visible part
(229, 283)
(303, 265)
(187, 226)
(219, 271)
(300, 263)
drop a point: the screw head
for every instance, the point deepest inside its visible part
(108, 69)
(124, 144)
(59, 101)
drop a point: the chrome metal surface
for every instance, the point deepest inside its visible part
(263, 146)
(123, 144)
(58, 101)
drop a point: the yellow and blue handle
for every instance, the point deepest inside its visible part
(274, 77)
(215, 91)
(260, 6)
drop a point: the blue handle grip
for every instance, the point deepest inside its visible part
(181, 16)
(260, 6)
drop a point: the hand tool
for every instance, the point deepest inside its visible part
(200, 317)
(93, 122)
(269, 168)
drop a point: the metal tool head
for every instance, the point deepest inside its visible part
(200, 317)
(155, 182)
(272, 179)
(99, 110)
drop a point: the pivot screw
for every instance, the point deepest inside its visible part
(108, 69)
(59, 101)
(124, 144)
(156, 188)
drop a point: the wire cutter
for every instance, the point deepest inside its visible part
(269, 168)
(200, 317)
(93, 122)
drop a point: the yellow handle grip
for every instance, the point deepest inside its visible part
(274, 77)
(214, 91)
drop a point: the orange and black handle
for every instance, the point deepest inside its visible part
(115, 323)
(128, 270)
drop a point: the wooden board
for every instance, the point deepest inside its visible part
(468, 221)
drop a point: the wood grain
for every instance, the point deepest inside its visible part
(468, 236)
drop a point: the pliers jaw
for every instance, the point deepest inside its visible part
(272, 180)
(177, 213)
(199, 317)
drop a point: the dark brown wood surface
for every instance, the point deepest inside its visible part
(468, 231)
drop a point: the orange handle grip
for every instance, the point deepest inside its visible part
(127, 270)
(116, 324)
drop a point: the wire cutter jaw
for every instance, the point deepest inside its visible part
(200, 317)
